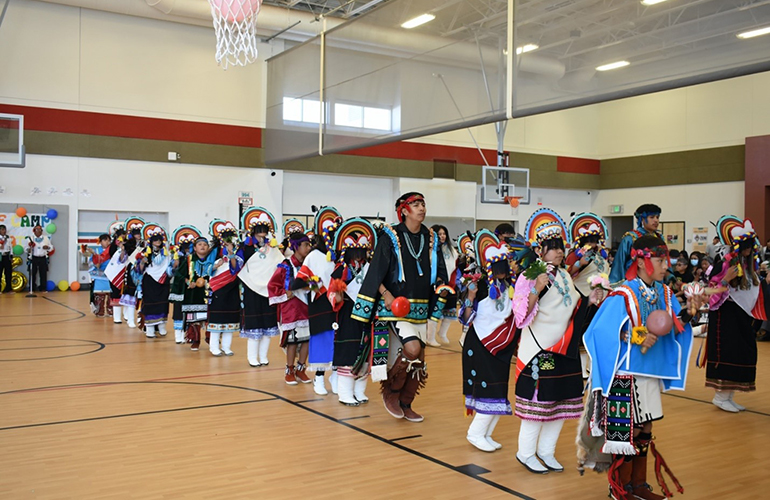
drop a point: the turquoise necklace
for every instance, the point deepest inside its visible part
(415, 255)
(650, 298)
(564, 292)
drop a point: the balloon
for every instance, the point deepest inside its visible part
(21, 212)
(400, 307)
(50, 286)
(63, 285)
(18, 250)
(659, 322)
(52, 213)
(50, 228)
(75, 286)
(51, 252)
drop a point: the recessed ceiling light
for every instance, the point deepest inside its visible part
(527, 48)
(418, 21)
(753, 33)
(652, 2)
(615, 65)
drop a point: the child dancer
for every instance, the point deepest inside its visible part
(224, 312)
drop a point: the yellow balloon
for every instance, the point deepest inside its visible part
(63, 285)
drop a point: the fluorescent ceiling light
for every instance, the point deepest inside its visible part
(753, 33)
(652, 2)
(527, 48)
(615, 65)
(418, 21)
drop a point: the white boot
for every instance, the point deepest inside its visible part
(462, 337)
(546, 445)
(149, 332)
(116, 310)
(732, 401)
(528, 433)
(333, 378)
(358, 390)
(227, 343)
(442, 331)
(491, 429)
(432, 334)
(722, 401)
(252, 348)
(129, 312)
(585, 364)
(264, 345)
(319, 385)
(214, 344)
(179, 336)
(345, 391)
(478, 430)
(162, 329)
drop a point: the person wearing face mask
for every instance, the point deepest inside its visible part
(630, 366)
(261, 255)
(551, 315)
(647, 219)
(731, 343)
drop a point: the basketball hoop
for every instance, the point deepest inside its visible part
(235, 23)
(513, 200)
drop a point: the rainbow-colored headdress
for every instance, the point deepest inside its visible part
(489, 249)
(545, 224)
(345, 237)
(132, 223)
(114, 228)
(223, 230)
(587, 224)
(151, 229)
(185, 235)
(734, 231)
(465, 245)
(292, 226)
(256, 216)
(327, 220)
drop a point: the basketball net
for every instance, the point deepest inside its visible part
(235, 23)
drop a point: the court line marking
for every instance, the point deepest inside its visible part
(99, 347)
(80, 313)
(406, 437)
(429, 458)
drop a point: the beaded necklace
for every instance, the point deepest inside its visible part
(650, 296)
(415, 255)
(564, 292)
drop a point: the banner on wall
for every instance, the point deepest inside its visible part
(700, 239)
(19, 228)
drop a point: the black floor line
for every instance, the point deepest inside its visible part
(309, 400)
(352, 418)
(41, 347)
(473, 469)
(86, 342)
(154, 412)
(80, 315)
(405, 437)
(372, 435)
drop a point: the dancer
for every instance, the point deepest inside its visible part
(157, 264)
(449, 313)
(100, 285)
(39, 248)
(224, 311)
(354, 244)
(731, 342)
(406, 264)
(133, 247)
(315, 274)
(261, 256)
(551, 315)
(647, 220)
(183, 239)
(292, 309)
(467, 271)
(193, 274)
(489, 345)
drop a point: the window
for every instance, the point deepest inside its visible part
(349, 115)
(301, 110)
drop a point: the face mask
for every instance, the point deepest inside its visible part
(672, 261)
(694, 262)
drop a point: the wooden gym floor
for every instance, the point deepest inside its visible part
(96, 410)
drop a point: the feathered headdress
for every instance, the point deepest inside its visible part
(489, 249)
(545, 224)
(354, 233)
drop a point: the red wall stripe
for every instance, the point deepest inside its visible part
(135, 127)
(578, 165)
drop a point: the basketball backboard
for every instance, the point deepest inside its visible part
(11, 140)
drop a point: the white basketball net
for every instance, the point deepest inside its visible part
(235, 23)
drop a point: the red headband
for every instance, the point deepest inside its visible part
(405, 205)
(647, 254)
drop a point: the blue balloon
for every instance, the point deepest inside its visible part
(50, 286)
(52, 213)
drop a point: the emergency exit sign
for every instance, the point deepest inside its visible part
(616, 209)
